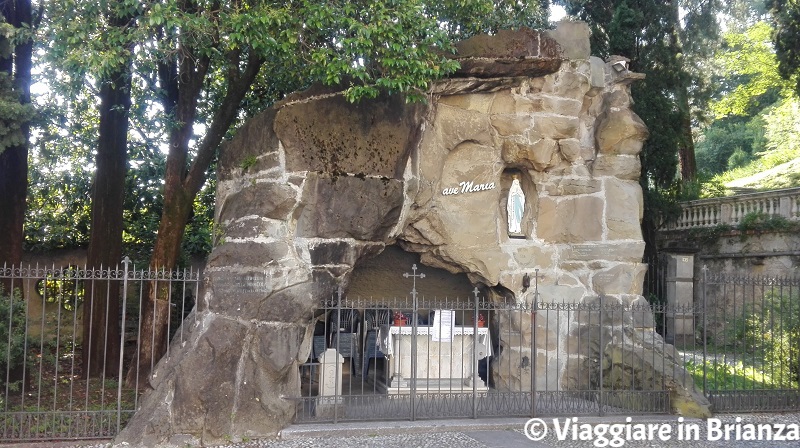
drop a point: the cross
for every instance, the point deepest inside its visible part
(414, 276)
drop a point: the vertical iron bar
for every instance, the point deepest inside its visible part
(125, 262)
(600, 386)
(27, 333)
(138, 334)
(475, 376)
(534, 346)
(414, 306)
(168, 337)
(87, 345)
(705, 332)
(41, 348)
(10, 323)
(413, 387)
(58, 346)
(107, 274)
(338, 373)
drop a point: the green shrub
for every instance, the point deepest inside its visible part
(765, 222)
(768, 336)
(12, 332)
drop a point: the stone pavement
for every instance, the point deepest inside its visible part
(490, 433)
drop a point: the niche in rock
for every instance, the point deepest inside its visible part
(381, 277)
(517, 203)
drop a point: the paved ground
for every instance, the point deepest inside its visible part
(511, 433)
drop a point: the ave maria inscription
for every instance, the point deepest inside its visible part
(467, 187)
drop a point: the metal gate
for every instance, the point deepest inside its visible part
(421, 358)
(46, 392)
(750, 332)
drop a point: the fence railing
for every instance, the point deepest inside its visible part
(416, 357)
(424, 358)
(731, 210)
(46, 389)
(750, 330)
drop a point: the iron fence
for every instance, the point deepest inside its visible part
(416, 357)
(751, 338)
(46, 389)
(422, 358)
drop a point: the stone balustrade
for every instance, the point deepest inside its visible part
(731, 210)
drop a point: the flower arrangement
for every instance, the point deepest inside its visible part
(399, 318)
(481, 320)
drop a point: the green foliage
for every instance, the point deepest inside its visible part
(709, 235)
(63, 289)
(668, 45)
(723, 376)
(758, 118)
(767, 336)
(726, 136)
(13, 340)
(198, 240)
(363, 46)
(247, 162)
(13, 115)
(786, 17)
(463, 19)
(747, 58)
(761, 221)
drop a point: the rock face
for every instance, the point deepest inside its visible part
(316, 184)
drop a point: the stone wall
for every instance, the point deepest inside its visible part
(316, 185)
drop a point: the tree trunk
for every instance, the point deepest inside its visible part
(686, 156)
(182, 85)
(153, 338)
(13, 188)
(101, 307)
(14, 160)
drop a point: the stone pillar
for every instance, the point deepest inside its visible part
(725, 214)
(680, 300)
(330, 383)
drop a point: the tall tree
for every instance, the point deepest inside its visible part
(15, 79)
(210, 49)
(101, 327)
(667, 41)
(786, 16)
(205, 65)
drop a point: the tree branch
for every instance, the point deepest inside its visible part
(221, 122)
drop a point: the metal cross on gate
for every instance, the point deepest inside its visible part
(414, 276)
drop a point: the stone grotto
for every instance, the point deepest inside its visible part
(525, 159)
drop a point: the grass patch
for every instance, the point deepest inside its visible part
(724, 376)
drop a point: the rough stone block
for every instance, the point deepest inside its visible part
(569, 220)
(252, 140)
(205, 380)
(511, 125)
(620, 132)
(555, 126)
(266, 199)
(533, 256)
(252, 227)
(478, 102)
(349, 207)
(372, 137)
(580, 374)
(613, 251)
(248, 254)
(570, 149)
(569, 186)
(623, 166)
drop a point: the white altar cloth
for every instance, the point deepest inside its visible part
(440, 366)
